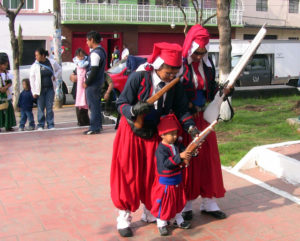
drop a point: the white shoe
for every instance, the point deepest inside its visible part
(21, 129)
(40, 128)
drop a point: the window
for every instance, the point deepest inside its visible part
(29, 47)
(183, 3)
(252, 36)
(13, 4)
(262, 5)
(293, 6)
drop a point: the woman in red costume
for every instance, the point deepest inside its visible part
(204, 175)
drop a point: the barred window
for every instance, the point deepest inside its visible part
(262, 5)
(293, 6)
(13, 4)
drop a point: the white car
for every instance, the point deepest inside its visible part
(67, 69)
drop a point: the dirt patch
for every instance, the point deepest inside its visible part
(252, 108)
(224, 137)
(297, 107)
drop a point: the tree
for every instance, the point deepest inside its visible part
(198, 18)
(11, 15)
(58, 100)
(20, 43)
(224, 27)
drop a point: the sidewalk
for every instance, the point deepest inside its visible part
(54, 186)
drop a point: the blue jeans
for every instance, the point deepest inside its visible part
(24, 115)
(93, 97)
(45, 100)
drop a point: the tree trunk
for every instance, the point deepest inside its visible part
(16, 63)
(57, 52)
(224, 27)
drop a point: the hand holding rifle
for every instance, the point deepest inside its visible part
(150, 101)
(198, 140)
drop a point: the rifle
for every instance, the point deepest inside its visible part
(140, 118)
(212, 111)
(197, 140)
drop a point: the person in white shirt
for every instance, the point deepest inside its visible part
(125, 52)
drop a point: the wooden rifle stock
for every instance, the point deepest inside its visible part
(197, 140)
(140, 118)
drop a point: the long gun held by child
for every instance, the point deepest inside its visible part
(193, 146)
(140, 118)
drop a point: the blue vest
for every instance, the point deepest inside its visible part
(100, 77)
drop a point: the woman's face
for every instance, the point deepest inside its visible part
(3, 67)
(198, 54)
(167, 74)
(39, 57)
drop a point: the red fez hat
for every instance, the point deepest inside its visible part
(167, 124)
(170, 53)
(198, 34)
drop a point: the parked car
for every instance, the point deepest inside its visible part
(120, 71)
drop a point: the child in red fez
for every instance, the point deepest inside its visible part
(168, 197)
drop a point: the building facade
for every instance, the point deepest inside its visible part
(137, 24)
(36, 20)
(281, 16)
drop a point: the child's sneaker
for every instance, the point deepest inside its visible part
(21, 128)
(31, 128)
(163, 231)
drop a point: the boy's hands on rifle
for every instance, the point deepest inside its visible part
(141, 107)
(186, 157)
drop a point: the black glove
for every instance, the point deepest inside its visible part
(193, 131)
(141, 108)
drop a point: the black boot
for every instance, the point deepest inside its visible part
(188, 215)
(125, 232)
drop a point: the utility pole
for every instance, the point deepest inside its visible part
(57, 52)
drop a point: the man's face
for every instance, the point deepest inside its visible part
(167, 74)
(198, 54)
(89, 42)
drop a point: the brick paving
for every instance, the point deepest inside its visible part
(292, 151)
(54, 186)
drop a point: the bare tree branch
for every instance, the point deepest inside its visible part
(196, 7)
(184, 18)
(19, 7)
(209, 18)
(6, 10)
(201, 13)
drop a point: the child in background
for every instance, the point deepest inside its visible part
(25, 105)
(168, 197)
(81, 61)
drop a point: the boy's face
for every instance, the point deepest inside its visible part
(170, 137)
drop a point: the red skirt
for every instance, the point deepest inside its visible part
(167, 200)
(204, 174)
(132, 168)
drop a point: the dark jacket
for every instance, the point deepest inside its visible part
(26, 100)
(211, 84)
(139, 88)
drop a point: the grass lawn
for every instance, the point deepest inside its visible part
(256, 122)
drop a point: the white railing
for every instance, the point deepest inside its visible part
(134, 13)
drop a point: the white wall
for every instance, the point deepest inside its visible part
(38, 27)
(277, 14)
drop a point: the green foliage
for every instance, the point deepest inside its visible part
(256, 122)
